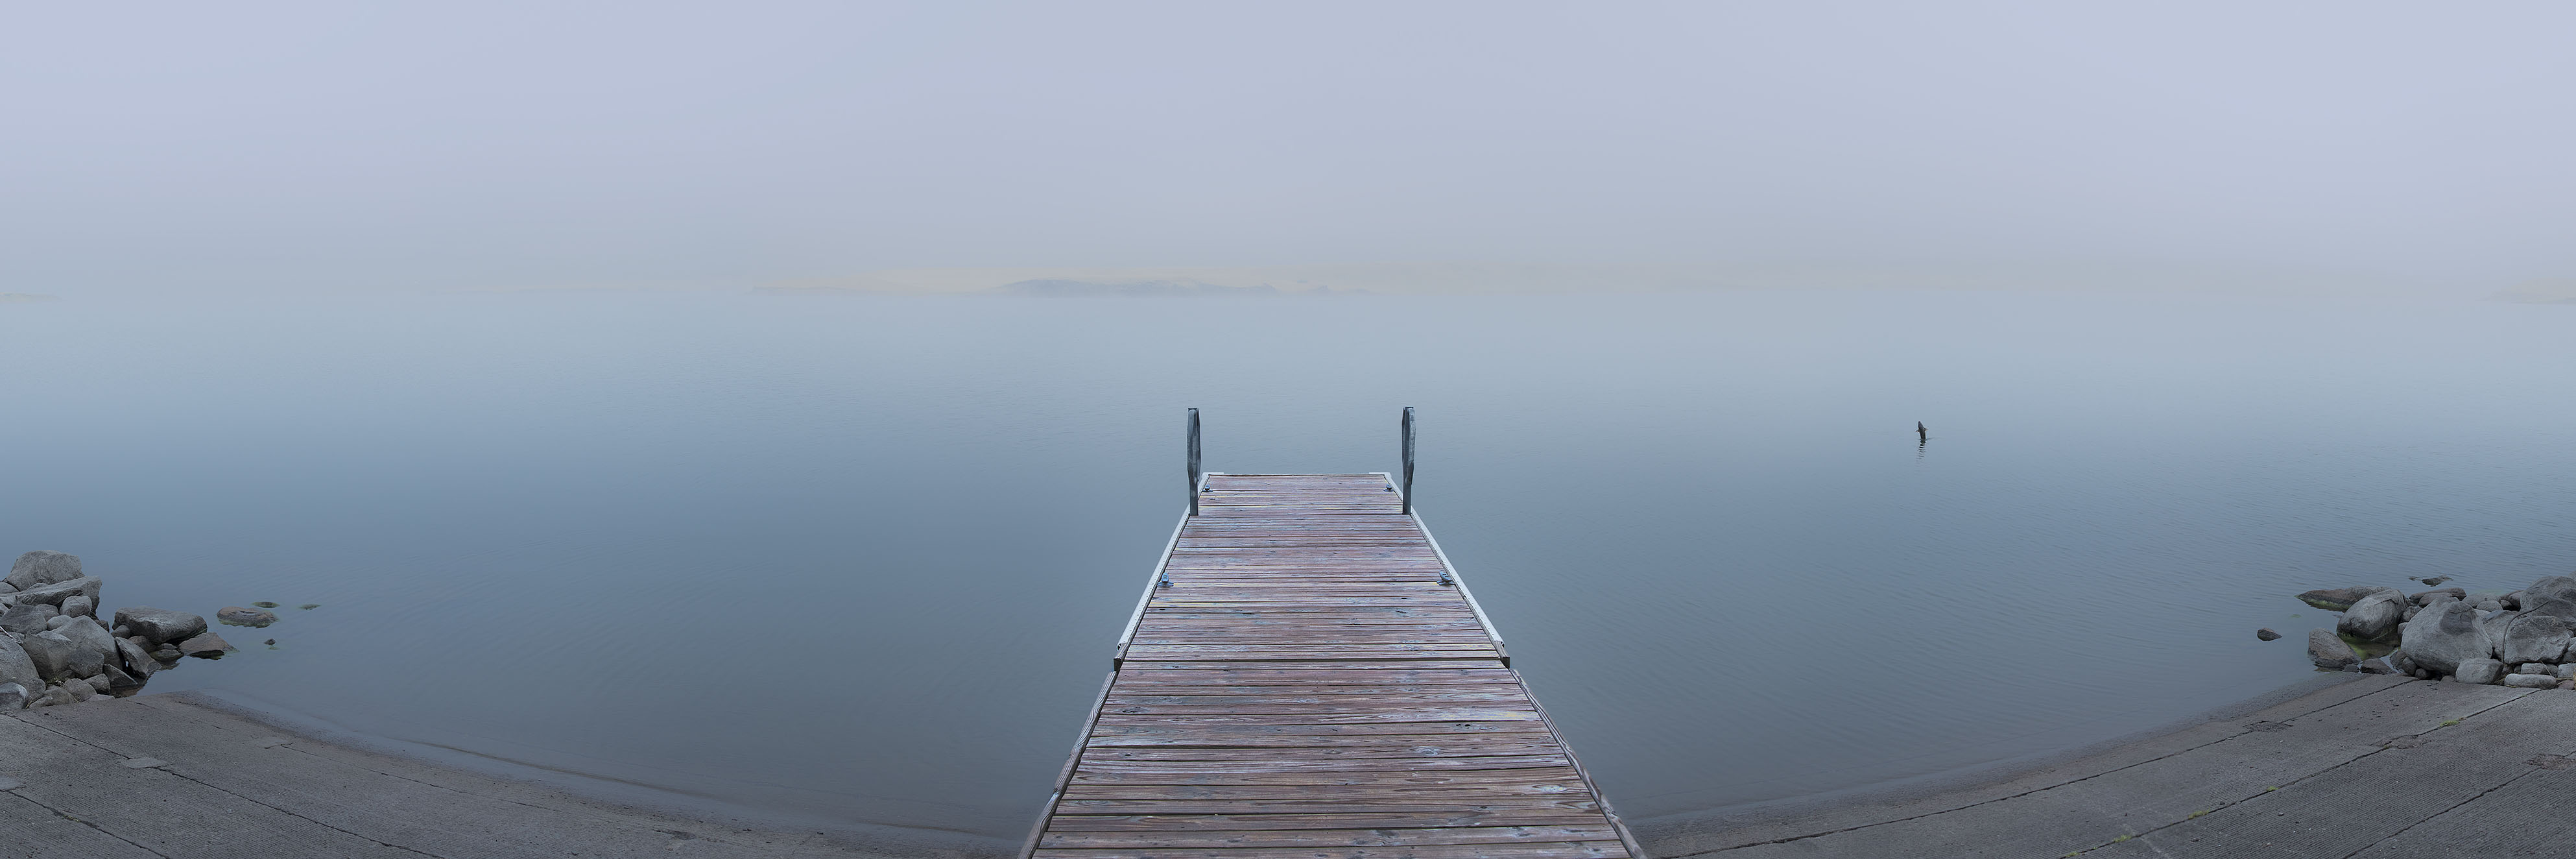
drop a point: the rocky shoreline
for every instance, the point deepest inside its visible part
(2518, 638)
(53, 649)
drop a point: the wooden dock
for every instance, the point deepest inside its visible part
(1307, 677)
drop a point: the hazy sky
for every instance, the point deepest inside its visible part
(357, 145)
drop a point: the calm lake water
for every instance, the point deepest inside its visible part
(861, 558)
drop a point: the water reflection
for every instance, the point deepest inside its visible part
(887, 561)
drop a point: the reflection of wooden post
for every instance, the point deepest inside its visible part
(1194, 462)
(1407, 427)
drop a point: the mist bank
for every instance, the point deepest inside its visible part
(1468, 278)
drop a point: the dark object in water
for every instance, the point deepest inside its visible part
(2429, 581)
(2267, 635)
(310, 605)
(265, 604)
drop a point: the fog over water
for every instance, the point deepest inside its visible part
(862, 558)
(492, 329)
(327, 146)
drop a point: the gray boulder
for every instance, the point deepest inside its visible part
(13, 696)
(2403, 663)
(79, 606)
(2339, 599)
(2380, 665)
(2567, 671)
(2328, 651)
(2373, 617)
(115, 681)
(54, 594)
(27, 619)
(73, 692)
(58, 658)
(2481, 671)
(2535, 668)
(2552, 595)
(42, 568)
(160, 624)
(138, 662)
(2492, 624)
(2554, 606)
(17, 667)
(2427, 597)
(206, 645)
(2534, 638)
(59, 621)
(2444, 635)
(238, 616)
(2530, 681)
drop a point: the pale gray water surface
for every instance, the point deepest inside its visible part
(862, 558)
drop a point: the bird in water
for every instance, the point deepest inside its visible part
(2429, 581)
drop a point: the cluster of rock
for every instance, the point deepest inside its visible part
(2520, 638)
(53, 650)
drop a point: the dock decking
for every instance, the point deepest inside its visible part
(1307, 684)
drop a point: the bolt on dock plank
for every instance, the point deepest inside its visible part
(1311, 682)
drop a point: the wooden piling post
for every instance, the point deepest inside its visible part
(1407, 429)
(1195, 477)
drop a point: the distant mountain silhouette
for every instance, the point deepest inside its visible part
(1061, 286)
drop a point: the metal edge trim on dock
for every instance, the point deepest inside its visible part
(1621, 826)
(1456, 580)
(1082, 741)
(1147, 598)
(1567, 746)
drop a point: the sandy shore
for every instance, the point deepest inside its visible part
(2367, 767)
(185, 775)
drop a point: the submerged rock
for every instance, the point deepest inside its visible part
(2267, 635)
(42, 568)
(2327, 650)
(160, 624)
(2339, 599)
(2480, 671)
(233, 615)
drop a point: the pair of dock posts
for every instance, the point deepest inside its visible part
(1307, 675)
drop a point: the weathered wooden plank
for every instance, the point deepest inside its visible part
(1332, 837)
(1307, 686)
(1409, 851)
